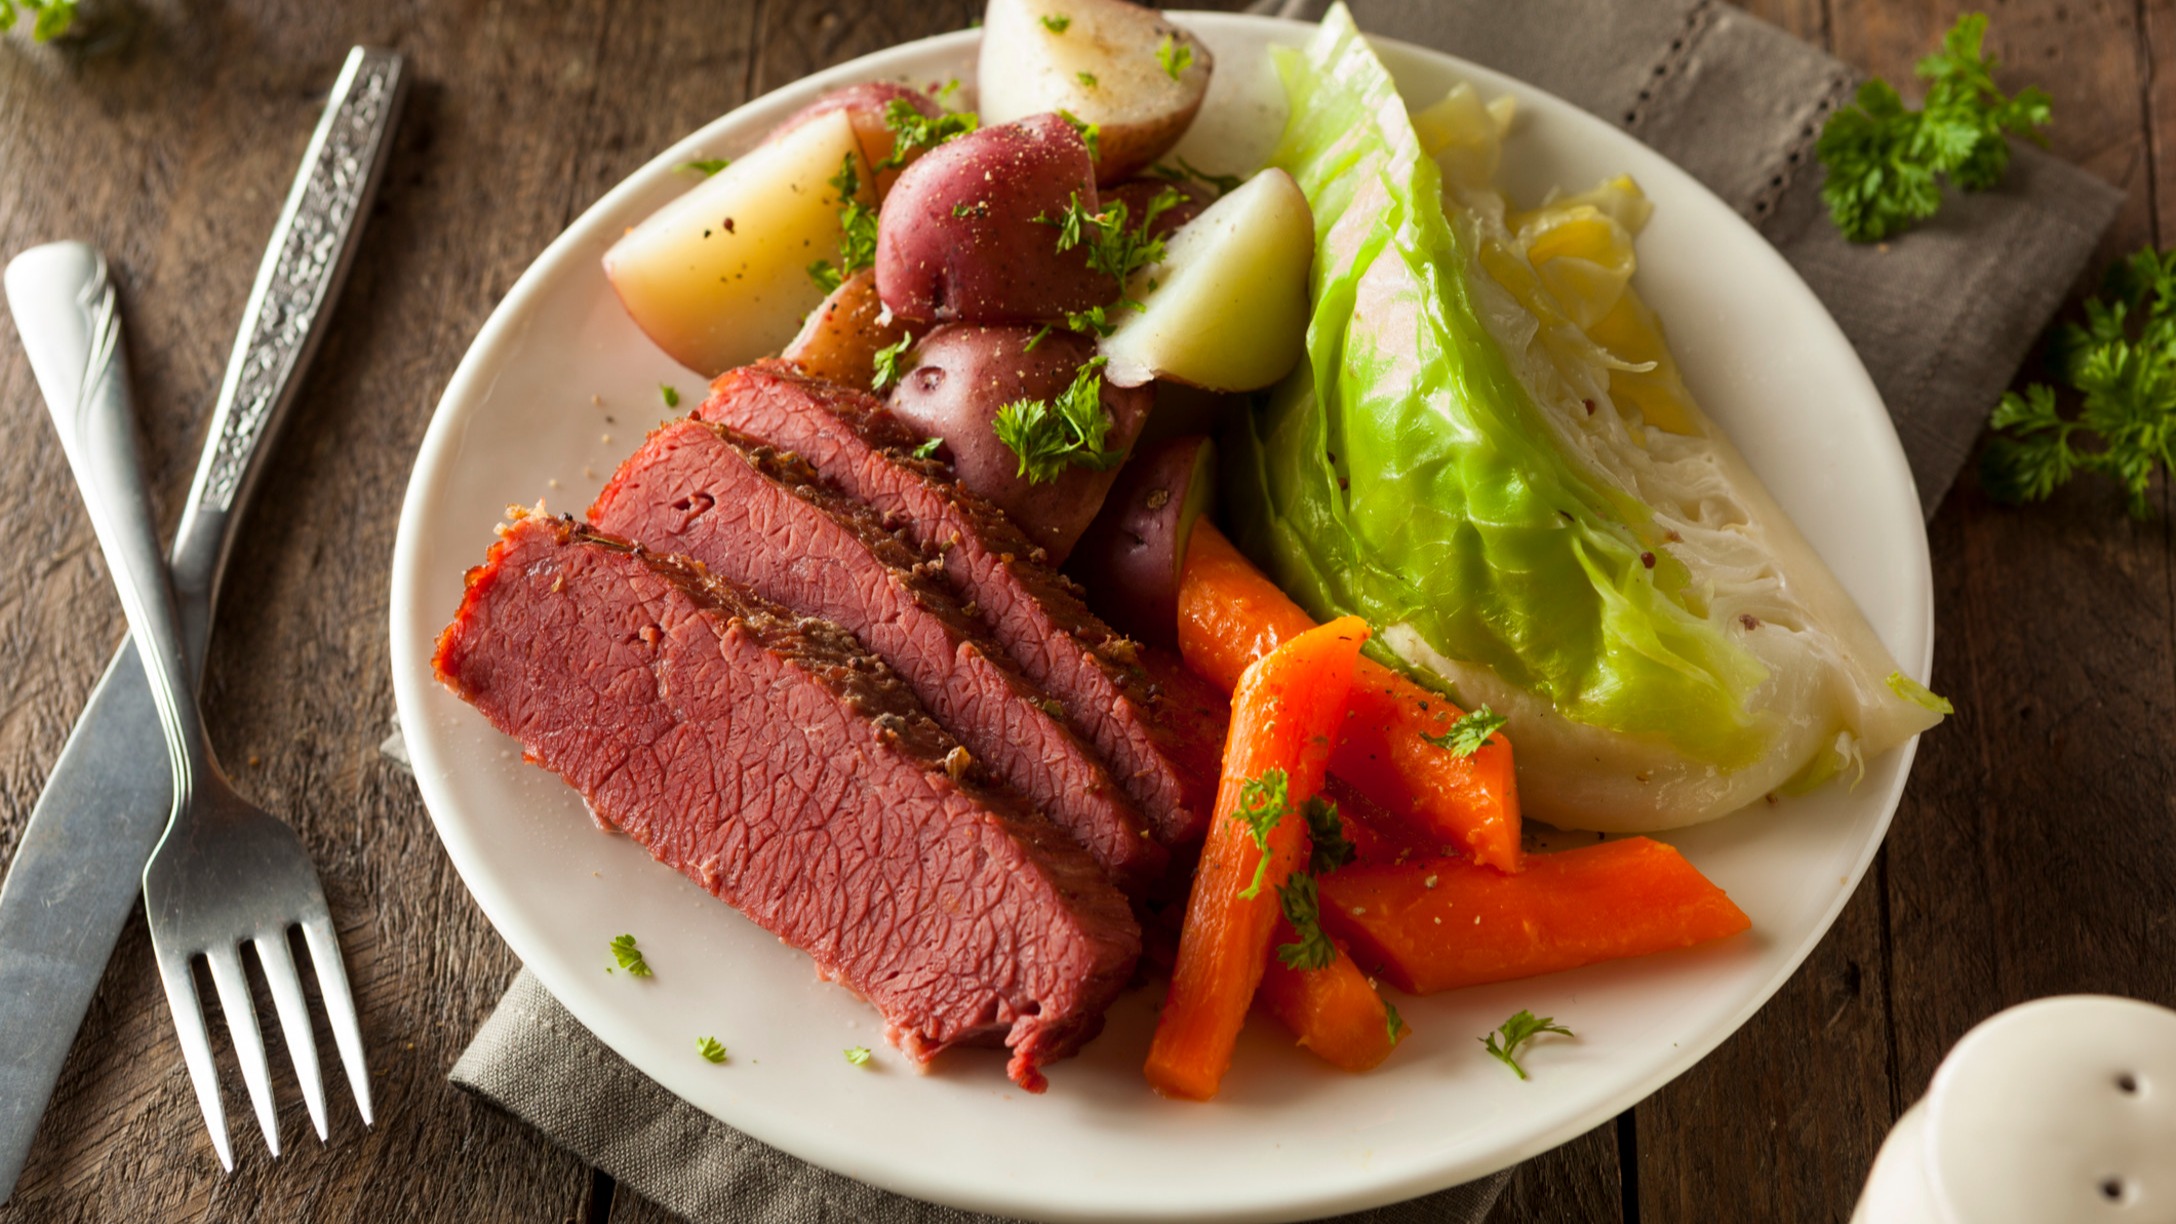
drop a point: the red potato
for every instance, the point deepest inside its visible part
(962, 374)
(1129, 557)
(958, 239)
(864, 105)
(1123, 67)
(839, 339)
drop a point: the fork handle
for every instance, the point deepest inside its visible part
(65, 310)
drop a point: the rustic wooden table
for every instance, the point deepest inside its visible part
(2033, 854)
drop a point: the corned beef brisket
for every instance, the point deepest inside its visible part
(774, 761)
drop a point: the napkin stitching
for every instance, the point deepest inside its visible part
(1673, 58)
(1795, 153)
(690, 1117)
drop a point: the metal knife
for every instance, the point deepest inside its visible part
(80, 863)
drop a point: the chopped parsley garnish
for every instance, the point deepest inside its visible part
(1886, 162)
(911, 129)
(1326, 833)
(1470, 732)
(928, 448)
(705, 166)
(629, 956)
(1517, 1031)
(858, 1055)
(1086, 78)
(2124, 361)
(1117, 247)
(1050, 436)
(1091, 134)
(887, 363)
(1175, 56)
(1224, 184)
(709, 1048)
(1094, 319)
(1262, 803)
(1035, 339)
(670, 394)
(857, 230)
(1302, 906)
(49, 19)
(1056, 22)
(945, 91)
(1394, 1022)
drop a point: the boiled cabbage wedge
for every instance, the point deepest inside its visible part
(1488, 454)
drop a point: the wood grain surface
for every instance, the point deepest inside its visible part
(2034, 853)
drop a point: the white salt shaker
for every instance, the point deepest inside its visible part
(2058, 1111)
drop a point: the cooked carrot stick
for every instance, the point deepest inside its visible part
(1443, 923)
(1333, 1011)
(1285, 710)
(1230, 614)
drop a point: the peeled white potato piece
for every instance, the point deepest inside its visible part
(1227, 307)
(719, 277)
(1097, 60)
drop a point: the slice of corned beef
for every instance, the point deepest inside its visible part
(772, 760)
(759, 518)
(857, 446)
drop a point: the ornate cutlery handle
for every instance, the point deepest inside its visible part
(304, 266)
(64, 308)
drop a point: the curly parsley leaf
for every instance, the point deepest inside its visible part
(886, 361)
(629, 956)
(1885, 162)
(1175, 57)
(1117, 245)
(1470, 732)
(1302, 906)
(858, 1055)
(709, 1048)
(1326, 833)
(1517, 1031)
(1056, 23)
(857, 230)
(1050, 436)
(1263, 801)
(2123, 360)
(928, 448)
(49, 19)
(913, 130)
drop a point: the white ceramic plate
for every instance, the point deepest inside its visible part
(1288, 1138)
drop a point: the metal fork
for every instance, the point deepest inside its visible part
(226, 872)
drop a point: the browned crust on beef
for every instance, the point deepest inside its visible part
(772, 760)
(759, 517)
(1031, 610)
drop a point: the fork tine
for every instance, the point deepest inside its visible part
(196, 1047)
(294, 1012)
(332, 983)
(241, 1012)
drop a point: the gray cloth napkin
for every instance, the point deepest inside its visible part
(1942, 316)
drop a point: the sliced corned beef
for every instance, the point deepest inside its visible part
(857, 446)
(760, 518)
(775, 762)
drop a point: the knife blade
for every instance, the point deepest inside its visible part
(79, 866)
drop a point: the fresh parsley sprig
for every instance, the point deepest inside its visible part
(1886, 162)
(886, 361)
(1326, 834)
(1302, 905)
(629, 956)
(2124, 361)
(1517, 1031)
(912, 130)
(857, 230)
(1051, 436)
(1262, 803)
(49, 19)
(1472, 730)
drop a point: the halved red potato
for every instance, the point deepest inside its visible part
(865, 105)
(1139, 78)
(1130, 556)
(840, 338)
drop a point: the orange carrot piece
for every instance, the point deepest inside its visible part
(1285, 710)
(1230, 614)
(1439, 924)
(1334, 1011)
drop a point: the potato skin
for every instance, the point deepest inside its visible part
(957, 240)
(963, 373)
(840, 338)
(1130, 556)
(864, 105)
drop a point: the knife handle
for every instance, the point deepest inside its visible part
(311, 250)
